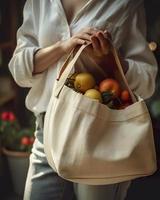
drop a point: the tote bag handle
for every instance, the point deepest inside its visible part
(67, 68)
(119, 66)
(69, 64)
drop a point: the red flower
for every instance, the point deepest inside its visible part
(11, 117)
(4, 116)
(31, 139)
(25, 140)
(8, 116)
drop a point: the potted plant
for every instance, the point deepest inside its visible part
(16, 145)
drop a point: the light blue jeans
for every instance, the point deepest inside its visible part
(44, 184)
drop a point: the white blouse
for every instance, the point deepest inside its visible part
(45, 23)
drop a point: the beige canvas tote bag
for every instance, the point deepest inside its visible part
(87, 142)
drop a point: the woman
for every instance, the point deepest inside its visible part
(50, 30)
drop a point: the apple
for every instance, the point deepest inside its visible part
(125, 96)
(110, 85)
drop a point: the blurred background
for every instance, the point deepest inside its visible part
(18, 123)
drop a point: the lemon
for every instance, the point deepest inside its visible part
(93, 94)
(84, 81)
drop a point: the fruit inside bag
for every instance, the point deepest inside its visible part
(109, 90)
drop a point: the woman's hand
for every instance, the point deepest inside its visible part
(82, 37)
(48, 56)
(100, 46)
(100, 42)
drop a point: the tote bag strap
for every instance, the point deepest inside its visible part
(119, 66)
(69, 64)
(67, 68)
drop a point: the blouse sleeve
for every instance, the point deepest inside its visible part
(142, 63)
(22, 62)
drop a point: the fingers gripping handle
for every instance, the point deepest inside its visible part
(68, 66)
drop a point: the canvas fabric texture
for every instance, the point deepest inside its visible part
(87, 142)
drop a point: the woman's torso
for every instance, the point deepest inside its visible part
(55, 23)
(72, 7)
